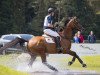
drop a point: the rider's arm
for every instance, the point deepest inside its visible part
(50, 21)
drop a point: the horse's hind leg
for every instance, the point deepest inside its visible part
(43, 57)
(76, 56)
(33, 57)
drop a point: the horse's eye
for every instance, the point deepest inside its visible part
(76, 21)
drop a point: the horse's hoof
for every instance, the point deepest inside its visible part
(56, 70)
(84, 65)
(69, 63)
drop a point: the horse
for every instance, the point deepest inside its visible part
(37, 46)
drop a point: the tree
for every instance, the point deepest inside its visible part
(6, 21)
(83, 11)
(27, 16)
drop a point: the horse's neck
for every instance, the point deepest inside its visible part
(68, 33)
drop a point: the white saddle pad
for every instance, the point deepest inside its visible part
(48, 38)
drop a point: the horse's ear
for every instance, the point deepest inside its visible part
(75, 17)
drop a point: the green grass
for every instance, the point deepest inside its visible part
(8, 71)
(93, 63)
(8, 61)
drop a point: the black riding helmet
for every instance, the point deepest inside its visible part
(50, 10)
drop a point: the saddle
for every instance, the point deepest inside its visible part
(56, 40)
(48, 38)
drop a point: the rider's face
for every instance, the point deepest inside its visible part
(52, 13)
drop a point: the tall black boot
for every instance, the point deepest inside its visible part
(58, 45)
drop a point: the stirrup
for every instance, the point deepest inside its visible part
(60, 48)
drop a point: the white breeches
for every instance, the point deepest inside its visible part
(51, 32)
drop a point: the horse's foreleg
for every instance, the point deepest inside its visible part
(76, 56)
(43, 57)
(71, 62)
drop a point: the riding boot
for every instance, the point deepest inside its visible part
(58, 45)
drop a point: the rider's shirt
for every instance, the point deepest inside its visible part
(48, 21)
(48, 29)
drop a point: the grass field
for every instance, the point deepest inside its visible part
(93, 62)
(7, 63)
(8, 71)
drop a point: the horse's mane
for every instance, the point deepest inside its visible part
(66, 21)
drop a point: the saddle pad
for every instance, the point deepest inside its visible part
(48, 39)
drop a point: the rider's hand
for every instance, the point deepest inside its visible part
(50, 25)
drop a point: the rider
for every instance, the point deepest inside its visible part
(49, 28)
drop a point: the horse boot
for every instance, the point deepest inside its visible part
(58, 45)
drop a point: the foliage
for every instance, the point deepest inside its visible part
(84, 12)
(27, 16)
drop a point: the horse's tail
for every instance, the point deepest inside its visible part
(27, 48)
(12, 43)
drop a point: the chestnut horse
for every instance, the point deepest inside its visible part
(38, 45)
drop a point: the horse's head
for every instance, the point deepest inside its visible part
(74, 24)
